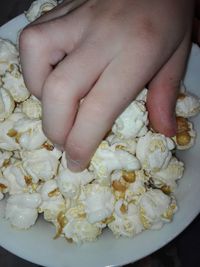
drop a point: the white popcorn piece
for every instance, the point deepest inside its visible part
(21, 209)
(138, 187)
(132, 122)
(30, 133)
(8, 55)
(187, 105)
(38, 8)
(98, 202)
(126, 220)
(166, 178)
(186, 135)
(69, 183)
(129, 185)
(142, 96)
(52, 201)
(109, 158)
(63, 161)
(77, 228)
(41, 164)
(13, 81)
(32, 108)
(7, 104)
(18, 180)
(3, 187)
(128, 145)
(8, 137)
(156, 208)
(154, 151)
(5, 158)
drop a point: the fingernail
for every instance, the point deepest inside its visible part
(73, 165)
(59, 147)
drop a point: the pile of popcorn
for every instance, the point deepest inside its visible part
(129, 185)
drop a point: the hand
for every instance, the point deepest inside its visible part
(113, 48)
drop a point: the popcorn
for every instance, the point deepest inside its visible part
(32, 108)
(154, 151)
(186, 135)
(142, 96)
(166, 178)
(17, 178)
(52, 201)
(187, 105)
(98, 202)
(128, 145)
(21, 209)
(77, 228)
(5, 158)
(128, 185)
(8, 136)
(29, 133)
(109, 158)
(41, 164)
(69, 183)
(126, 220)
(138, 187)
(156, 208)
(3, 187)
(8, 55)
(38, 8)
(132, 122)
(14, 83)
(7, 104)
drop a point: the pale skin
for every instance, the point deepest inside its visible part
(114, 48)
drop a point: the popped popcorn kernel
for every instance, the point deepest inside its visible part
(154, 151)
(38, 8)
(132, 122)
(32, 108)
(14, 83)
(8, 55)
(186, 135)
(187, 105)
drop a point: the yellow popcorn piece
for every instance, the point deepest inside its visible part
(186, 135)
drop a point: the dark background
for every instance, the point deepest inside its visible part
(184, 251)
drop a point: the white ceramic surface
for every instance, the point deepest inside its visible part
(37, 244)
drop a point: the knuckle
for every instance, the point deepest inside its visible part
(58, 85)
(31, 37)
(147, 31)
(55, 87)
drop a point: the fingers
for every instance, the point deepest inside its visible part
(163, 90)
(42, 46)
(115, 89)
(68, 83)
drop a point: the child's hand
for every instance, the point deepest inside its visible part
(113, 48)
